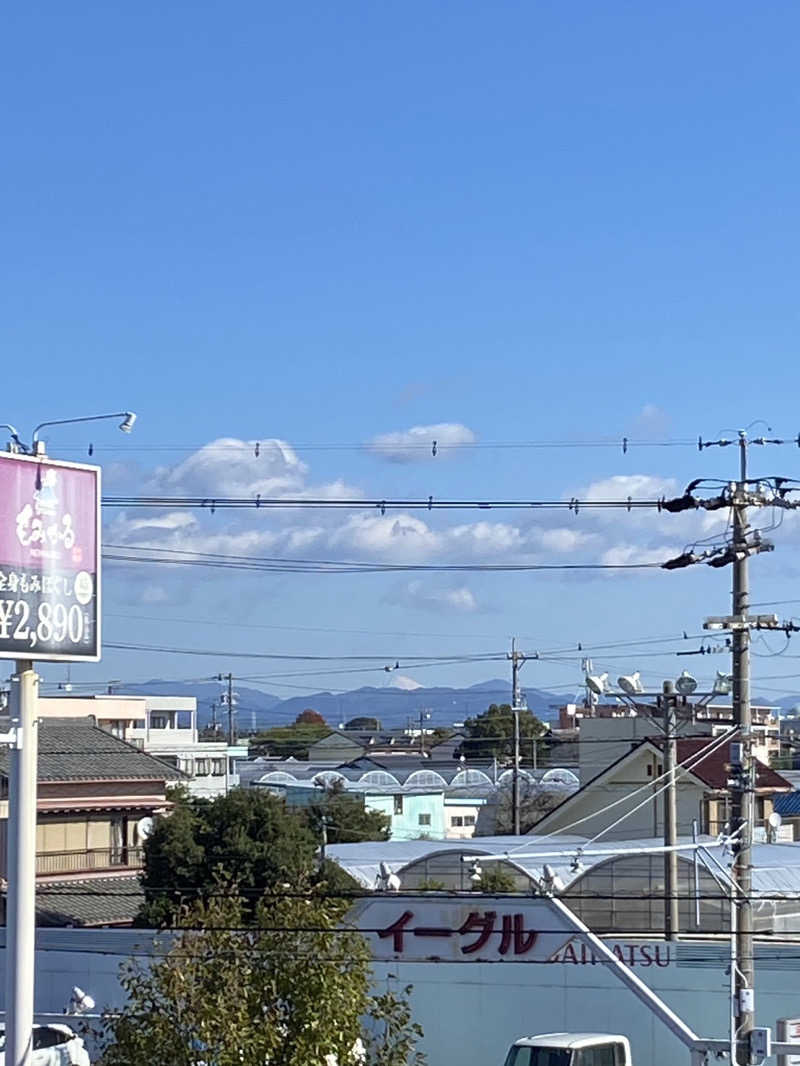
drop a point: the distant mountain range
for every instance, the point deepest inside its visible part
(394, 705)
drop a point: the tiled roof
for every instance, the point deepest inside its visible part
(76, 749)
(89, 902)
(712, 771)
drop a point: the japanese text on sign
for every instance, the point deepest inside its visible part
(49, 559)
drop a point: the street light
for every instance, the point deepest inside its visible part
(128, 419)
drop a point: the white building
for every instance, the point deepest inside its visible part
(163, 726)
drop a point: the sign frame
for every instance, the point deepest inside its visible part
(37, 654)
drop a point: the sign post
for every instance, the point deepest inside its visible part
(50, 611)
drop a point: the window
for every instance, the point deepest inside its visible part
(538, 1056)
(398, 805)
(137, 723)
(604, 1055)
(184, 720)
(469, 819)
(217, 767)
(424, 819)
(159, 721)
(202, 767)
(457, 819)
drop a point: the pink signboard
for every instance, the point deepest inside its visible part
(49, 560)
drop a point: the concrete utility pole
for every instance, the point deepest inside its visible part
(742, 793)
(738, 496)
(21, 912)
(517, 660)
(671, 912)
(229, 699)
(423, 716)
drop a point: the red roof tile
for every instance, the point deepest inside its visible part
(712, 768)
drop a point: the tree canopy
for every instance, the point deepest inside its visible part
(252, 836)
(309, 717)
(373, 725)
(290, 989)
(289, 741)
(491, 734)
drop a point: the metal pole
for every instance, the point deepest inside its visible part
(21, 915)
(231, 730)
(742, 810)
(515, 665)
(671, 913)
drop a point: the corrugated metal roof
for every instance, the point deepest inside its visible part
(788, 804)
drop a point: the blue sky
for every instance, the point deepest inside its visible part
(321, 223)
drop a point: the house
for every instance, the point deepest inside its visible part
(163, 726)
(343, 745)
(96, 795)
(625, 800)
(420, 797)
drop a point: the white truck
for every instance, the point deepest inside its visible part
(570, 1049)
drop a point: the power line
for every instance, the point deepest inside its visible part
(215, 503)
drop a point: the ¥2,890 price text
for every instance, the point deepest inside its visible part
(51, 623)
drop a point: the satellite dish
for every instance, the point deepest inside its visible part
(775, 820)
(597, 684)
(686, 684)
(145, 827)
(631, 684)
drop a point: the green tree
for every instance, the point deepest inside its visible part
(348, 820)
(248, 834)
(289, 991)
(373, 725)
(491, 734)
(496, 880)
(288, 741)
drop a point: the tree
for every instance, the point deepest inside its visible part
(496, 880)
(310, 717)
(372, 725)
(249, 834)
(290, 991)
(288, 741)
(348, 820)
(491, 734)
(534, 803)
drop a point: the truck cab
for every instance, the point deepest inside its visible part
(570, 1049)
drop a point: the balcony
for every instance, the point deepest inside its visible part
(78, 862)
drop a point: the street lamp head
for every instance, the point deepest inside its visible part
(686, 684)
(127, 425)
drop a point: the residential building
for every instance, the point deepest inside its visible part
(612, 803)
(96, 797)
(603, 723)
(344, 745)
(163, 726)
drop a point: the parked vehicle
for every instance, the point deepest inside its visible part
(570, 1049)
(53, 1045)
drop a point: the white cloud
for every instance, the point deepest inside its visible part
(651, 422)
(416, 445)
(230, 467)
(402, 681)
(427, 597)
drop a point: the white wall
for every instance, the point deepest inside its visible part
(471, 1012)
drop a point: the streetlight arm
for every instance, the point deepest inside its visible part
(126, 426)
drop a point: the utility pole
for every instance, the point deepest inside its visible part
(737, 497)
(214, 716)
(671, 912)
(323, 848)
(517, 660)
(423, 716)
(229, 699)
(742, 796)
